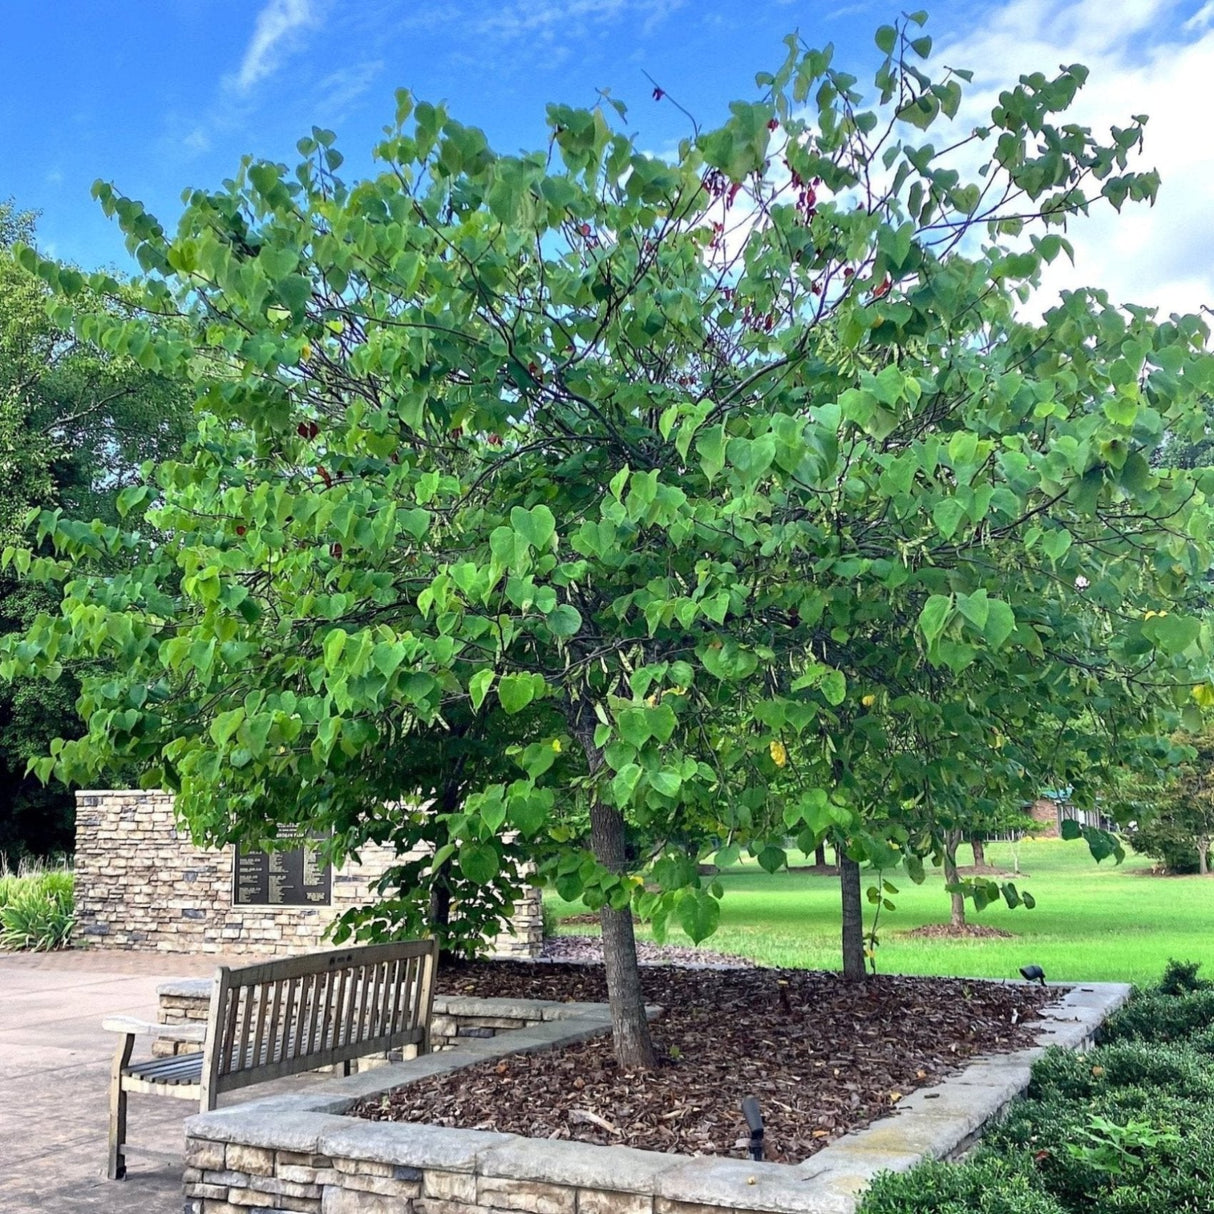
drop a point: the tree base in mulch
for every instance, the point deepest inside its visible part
(987, 870)
(588, 950)
(822, 1055)
(947, 931)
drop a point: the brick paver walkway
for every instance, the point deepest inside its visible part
(54, 1083)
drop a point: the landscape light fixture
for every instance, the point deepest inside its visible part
(754, 1119)
(1033, 973)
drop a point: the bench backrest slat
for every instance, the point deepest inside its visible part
(278, 1018)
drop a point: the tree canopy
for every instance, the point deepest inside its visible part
(76, 425)
(731, 483)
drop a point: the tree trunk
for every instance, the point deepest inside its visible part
(440, 878)
(979, 847)
(440, 903)
(853, 917)
(629, 1024)
(1203, 857)
(957, 910)
(820, 855)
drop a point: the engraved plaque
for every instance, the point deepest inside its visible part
(291, 877)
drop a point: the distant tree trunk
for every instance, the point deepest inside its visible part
(820, 855)
(979, 846)
(629, 1024)
(957, 912)
(1203, 856)
(853, 917)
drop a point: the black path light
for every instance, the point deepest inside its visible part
(754, 1119)
(1033, 973)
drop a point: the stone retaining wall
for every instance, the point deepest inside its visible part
(299, 1153)
(142, 884)
(456, 1020)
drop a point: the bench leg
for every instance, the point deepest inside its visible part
(116, 1166)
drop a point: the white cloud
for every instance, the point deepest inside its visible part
(1201, 19)
(197, 141)
(339, 90)
(1142, 60)
(275, 33)
(546, 32)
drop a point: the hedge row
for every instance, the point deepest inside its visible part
(1126, 1127)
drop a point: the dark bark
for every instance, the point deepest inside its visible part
(440, 885)
(629, 1024)
(853, 917)
(957, 902)
(440, 902)
(979, 846)
(820, 855)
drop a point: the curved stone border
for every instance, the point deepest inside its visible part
(299, 1153)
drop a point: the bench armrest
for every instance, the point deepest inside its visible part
(130, 1024)
(145, 1028)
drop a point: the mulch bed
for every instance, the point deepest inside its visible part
(946, 931)
(822, 1055)
(584, 950)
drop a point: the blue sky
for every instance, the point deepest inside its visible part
(158, 95)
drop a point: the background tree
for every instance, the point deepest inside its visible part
(1176, 819)
(751, 438)
(76, 423)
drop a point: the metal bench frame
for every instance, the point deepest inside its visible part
(279, 1018)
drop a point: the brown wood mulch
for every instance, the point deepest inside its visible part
(589, 950)
(823, 1056)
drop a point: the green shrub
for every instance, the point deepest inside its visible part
(39, 912)
(1181, 1182)
(1201, 1042)
(1155, 1017)
(1062, 1074)
(1180, 978)
(1173, 843)
(550, 920)
(1164, 1069)
(1126, 1128)
(985, 1185)
(1073, 1142)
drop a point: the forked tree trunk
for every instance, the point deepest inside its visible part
(957, 903)
(979, 846)
(629, 1024)
(853, 917)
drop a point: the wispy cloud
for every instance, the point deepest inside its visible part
(1202, 19)
(542, 33)
(339, 90)
(276, 32)
(197, 142)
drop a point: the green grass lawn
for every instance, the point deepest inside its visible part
(1090, 923)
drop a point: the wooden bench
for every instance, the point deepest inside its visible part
(279, 1018)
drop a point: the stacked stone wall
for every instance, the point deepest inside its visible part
(230, 1179)
(142, 884)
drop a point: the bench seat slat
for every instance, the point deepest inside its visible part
(184, 1068)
